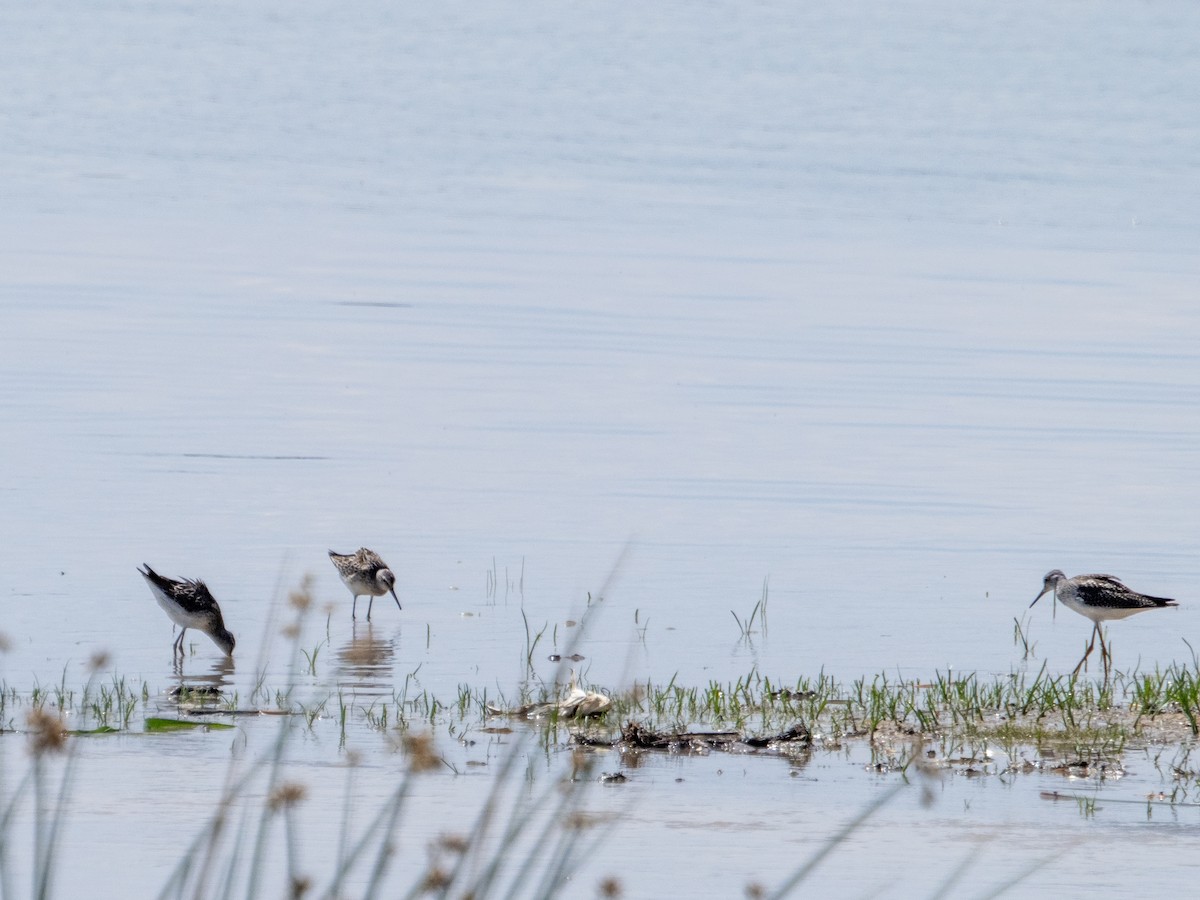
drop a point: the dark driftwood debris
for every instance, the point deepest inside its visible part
(636, 737)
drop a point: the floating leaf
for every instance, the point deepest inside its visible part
(103, 729)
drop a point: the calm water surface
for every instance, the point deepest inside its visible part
(892, 310)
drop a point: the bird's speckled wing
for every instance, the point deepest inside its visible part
(370, 561)
(192, 596)
(1108, 592)
(343, 562)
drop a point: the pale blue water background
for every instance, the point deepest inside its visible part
(894, 307)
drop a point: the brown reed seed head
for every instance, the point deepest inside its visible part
(457, 844)
(421, 755)
(611, 887)
(46, 732)
(288, 794)
(301, 599)
(436, 881)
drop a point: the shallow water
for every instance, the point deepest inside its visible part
(891, 310)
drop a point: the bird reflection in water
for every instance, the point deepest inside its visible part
(365, 662)
(203, 688)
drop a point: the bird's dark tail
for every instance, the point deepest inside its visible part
(153, 577)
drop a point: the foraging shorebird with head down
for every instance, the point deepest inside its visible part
(1100, 598)
(190, 604)
(365, 572)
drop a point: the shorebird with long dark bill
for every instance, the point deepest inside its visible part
(366, 573)
(1100, 598)
(190, 604)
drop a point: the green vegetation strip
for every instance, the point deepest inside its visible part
(159, 725)
(1151, 707)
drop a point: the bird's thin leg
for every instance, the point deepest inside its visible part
(1105, 655)
(179, 641)
(1086, 654)
(370, 603)
(354, 608)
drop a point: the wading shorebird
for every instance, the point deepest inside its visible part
(1100, 598)
(365, 573)
(190, 604)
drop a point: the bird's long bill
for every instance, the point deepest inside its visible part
(397, 599)
(1045, 591)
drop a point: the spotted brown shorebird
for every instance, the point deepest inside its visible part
(366, 573)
